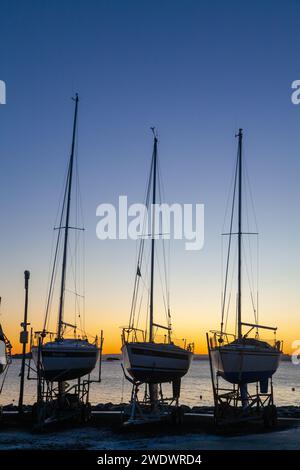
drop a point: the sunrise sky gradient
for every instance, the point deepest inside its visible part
(198, 70)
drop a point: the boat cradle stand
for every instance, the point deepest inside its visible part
(59, 402)
(234, 404)
(153, 407)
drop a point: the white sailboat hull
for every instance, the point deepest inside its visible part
(66, 359)
(155, 363)
(241, 364)
(3, 359)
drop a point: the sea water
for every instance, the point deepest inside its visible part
(196, 387)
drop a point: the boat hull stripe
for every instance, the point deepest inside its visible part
(69, 354)
(151, 352)
(155, 368)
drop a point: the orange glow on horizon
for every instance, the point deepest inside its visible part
(112, 343)
(188, 320)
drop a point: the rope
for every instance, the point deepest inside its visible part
(53, 274)
(229, 243)
(140, 253)
(161, 283)
(249, 282)
(142, 277)
(166, 295)
(231, 288)
(76, 263)
(246, 252)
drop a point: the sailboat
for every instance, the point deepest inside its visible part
(146, 359)
(3, 358)
(239, 358)
(62, 358)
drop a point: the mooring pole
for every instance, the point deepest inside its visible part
(100, 355)
(39, 374)
(24, 341)
(212, 372)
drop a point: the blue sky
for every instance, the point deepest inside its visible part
(198, 70)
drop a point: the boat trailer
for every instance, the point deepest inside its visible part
(235, 404)
(59, 402)
(153, 407)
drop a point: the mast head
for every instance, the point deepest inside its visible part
(153, 129)
(240, 133)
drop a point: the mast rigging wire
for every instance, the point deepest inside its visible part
(229, 242)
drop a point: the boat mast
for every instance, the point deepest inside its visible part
(151, 338)
(66, 227)
(239, 299)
